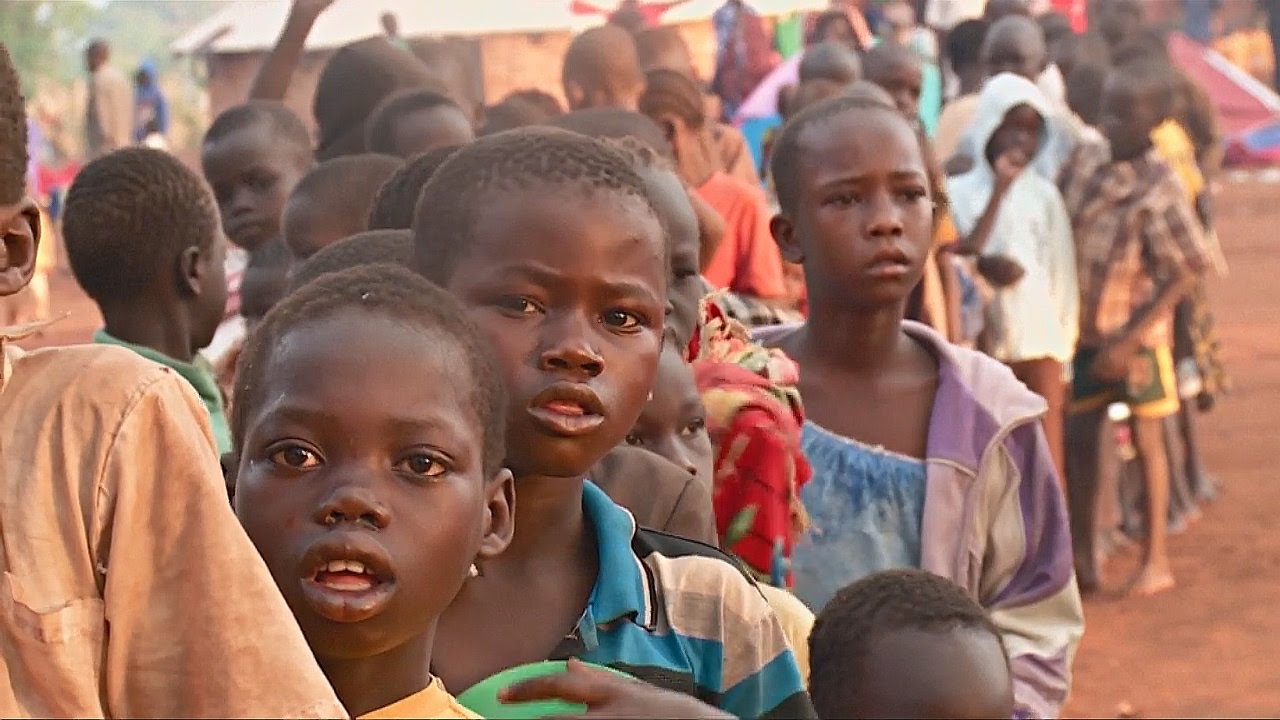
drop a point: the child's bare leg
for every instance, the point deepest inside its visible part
(1082, 445)
(1156, 575)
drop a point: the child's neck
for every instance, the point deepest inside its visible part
(858, 340)
(550, 526)
(152, 327)
(369, 683)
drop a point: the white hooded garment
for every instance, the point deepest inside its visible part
(1037, 317)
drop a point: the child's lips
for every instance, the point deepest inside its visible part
(567, 409)
(347, 578)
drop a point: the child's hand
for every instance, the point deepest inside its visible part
(311, 8)
(1112, 363)
(1009, 166)
(1000, 270)
(607, 695)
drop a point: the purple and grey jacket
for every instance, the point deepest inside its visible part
(995, 519)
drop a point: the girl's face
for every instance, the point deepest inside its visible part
(864, 215)
(673, 424)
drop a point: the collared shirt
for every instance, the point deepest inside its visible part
(1133, 228)
(198, 372)
(127, 587)
(682, 616)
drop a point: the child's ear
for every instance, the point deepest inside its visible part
(500, 515)
(189, 271)
(18, 251)
(669, 128)
(784, 234)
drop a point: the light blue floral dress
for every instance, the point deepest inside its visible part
(865, 507)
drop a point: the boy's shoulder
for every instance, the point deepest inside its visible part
(93, 374)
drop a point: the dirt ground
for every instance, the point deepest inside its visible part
(1206, 648)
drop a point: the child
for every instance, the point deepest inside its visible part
(908, 644)
(375, 499)
(964, 46)
(333, 201)
(601, 70)
(898, 70)
(252, 156)
(144, 243)
(565, 273)
(893, 409)
(1141, 251)
(745, 262)
(831, 61)
(673, 423)
(398, 196)
(415, 122)
(265, 282)
(108, 466)
(1003, 212)
(372, 247)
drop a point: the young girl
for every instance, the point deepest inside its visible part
(924, 454)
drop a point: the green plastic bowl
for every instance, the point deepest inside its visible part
(482, 698)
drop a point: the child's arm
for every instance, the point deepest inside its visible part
(197, 626)
(272, 80)
(1007, 168)
(1028, 583)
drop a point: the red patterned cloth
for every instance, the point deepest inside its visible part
(754, 416)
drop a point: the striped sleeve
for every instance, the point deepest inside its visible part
(1028, 582)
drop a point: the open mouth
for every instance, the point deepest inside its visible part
(347, 584)
(567, 409)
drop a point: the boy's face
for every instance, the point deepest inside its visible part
(365, 491)
(684, 284)
(953, 674)
(252, 174)
(426, 129)
(1021, 132)
(863, 222)
(903, 81)
(20, 223)
(571, 290)
(1117, 19)
(310, 227)
(673, 424)
(1128, 116)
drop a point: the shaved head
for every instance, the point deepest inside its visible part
(831, 61)
(1016, 45)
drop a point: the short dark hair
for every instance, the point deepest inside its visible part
(521, 108)
(615, 124)
(380, 129)
(393, 292)
(540, 158)
(885, 56)
(129, 215)
(667, 91)
(1146, 45)
(830, 61)
(659, 44)
(964, 43)
(393, 207)
(1084, 91)
(371, 247)
(602, 57)
(1151, 77)
(825, 20)
(1055, 25)
(13, 132)
(787, 150)
(346, 186)
(847, 627)
(283, 124)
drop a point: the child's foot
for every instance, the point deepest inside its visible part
(1151, 581)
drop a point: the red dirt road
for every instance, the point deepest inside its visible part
(1206, 648)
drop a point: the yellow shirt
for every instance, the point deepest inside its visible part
(431, 702)
(796, 621)
(127, 587)
(1175, 147)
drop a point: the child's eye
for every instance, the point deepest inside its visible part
(296, 457)
(914, 194)
(519, 305)
(634, 439)
(694, 427)
(844, 199)
(422, 465)
(621, 320)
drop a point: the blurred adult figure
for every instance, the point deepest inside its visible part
(109, 112)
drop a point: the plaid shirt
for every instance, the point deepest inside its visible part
(1133, 229)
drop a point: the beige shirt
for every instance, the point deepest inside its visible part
(109, 121)
(128, 587)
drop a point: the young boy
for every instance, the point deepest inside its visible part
(565, 272)
(898, 70)
(372, 247)
(601, 70)
(108, 466)
(393, 207)
(415, 122)
(375, 499)
(144, 242)
(1003, 212)
(908, 644)
(1140, 251)
(673, 423)
(333, 201)
(746, 261)
(252, 156)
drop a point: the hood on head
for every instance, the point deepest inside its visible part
(1001, 94)
(147, 69)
